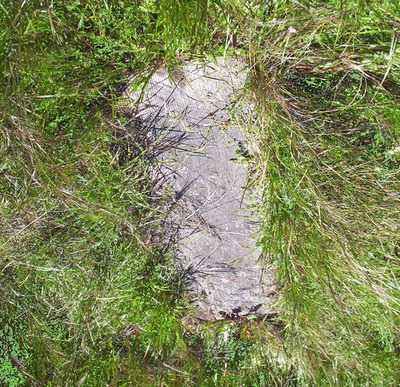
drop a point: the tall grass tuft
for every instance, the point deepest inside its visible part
(327, 163)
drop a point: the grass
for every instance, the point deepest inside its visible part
(329, 180)
(88, 298)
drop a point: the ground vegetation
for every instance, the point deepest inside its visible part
(87, 298)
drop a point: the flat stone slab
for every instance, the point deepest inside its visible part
(200, 169)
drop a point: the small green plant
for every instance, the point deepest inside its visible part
(13, 358)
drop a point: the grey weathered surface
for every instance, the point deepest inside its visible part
(208, 215)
